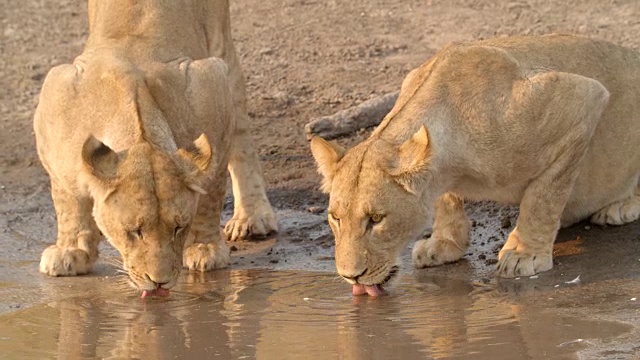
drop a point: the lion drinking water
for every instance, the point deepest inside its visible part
(115, 130)
(551, 123)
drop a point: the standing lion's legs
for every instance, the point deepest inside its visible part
(450, 237)
(252, 215)
(205, 248)
(76, 248)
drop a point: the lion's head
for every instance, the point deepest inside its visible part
(144, 202)
(377, 203)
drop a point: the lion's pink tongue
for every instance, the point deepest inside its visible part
(159, 292)
(371, 290)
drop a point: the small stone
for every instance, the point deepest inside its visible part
(315, 209)
(233, 248)
(274, 261)
(491, 261)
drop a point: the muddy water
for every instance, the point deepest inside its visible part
(278, 315)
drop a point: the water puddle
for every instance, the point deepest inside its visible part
(278, 315)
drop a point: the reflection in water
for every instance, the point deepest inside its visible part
(279, 315)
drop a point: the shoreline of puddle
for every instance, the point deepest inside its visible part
(548, 313)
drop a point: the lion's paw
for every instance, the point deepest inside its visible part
(56, 261)
(258, 224)
(434, 252)
(512, 263)
(618, 213)
(205, 257)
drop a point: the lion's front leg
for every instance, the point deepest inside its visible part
(450, 238)
(529, 248)
(574, 116)
(205, 248)
(76, 248)
(252, 214)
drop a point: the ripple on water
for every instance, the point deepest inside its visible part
(249, 313)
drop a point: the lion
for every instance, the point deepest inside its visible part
(137, 135)
(551, 123)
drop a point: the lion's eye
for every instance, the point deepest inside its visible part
(178, 230)
(334, 217)
(136, 233)
(376, 218)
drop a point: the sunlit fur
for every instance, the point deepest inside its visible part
(551, 123)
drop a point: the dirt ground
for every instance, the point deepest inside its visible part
(302, 59)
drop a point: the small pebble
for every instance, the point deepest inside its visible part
(315, 209)
(306, 299)
(533, 277)
(633, 299)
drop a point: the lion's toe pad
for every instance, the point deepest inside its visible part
(259, 225)
(513, 264)
(56, 261)
(205, 257)
(434, 252)
(618, 213)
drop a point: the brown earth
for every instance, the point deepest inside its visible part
(302, 59)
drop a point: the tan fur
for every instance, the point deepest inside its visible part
(551, 123)
(115, 130)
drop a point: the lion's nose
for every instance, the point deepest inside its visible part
(157, 282)
(354, 277)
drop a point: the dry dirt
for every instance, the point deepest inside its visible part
(302, 59)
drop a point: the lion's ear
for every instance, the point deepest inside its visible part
(412, 159)
(100, 160)
(327, 155)
(198, 154)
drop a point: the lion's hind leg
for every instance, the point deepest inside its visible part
(76, 248)
(619, 212)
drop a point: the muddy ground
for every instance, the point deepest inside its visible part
(303, 59)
